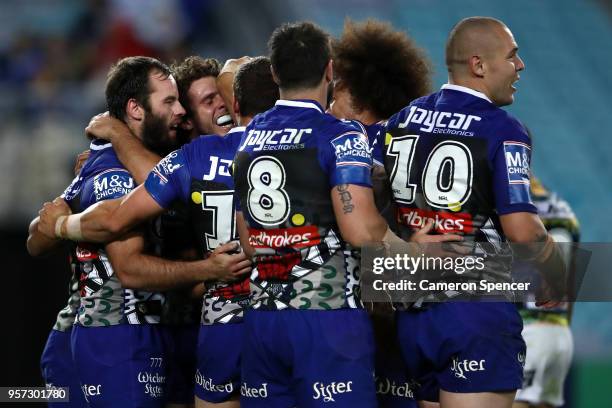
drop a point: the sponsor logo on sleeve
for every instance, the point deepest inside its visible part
(352, 148)
(112, 183)
(517, 156)
(167, 166)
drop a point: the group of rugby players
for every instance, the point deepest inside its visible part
(262, 220)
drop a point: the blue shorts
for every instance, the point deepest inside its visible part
(181, 354)
(122, 365)
(218, 371)
(462, 347)
(58, 369)
(393, 388)
(307, 358)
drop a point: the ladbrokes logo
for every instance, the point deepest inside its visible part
(327, 392)
(298, 237)
(85, 253)
(443, 222)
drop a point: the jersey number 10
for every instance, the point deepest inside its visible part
(447, 176)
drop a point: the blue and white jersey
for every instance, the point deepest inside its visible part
(290, 157)
(456, 158)
(104, 301)
(199, 174)
(376, 138)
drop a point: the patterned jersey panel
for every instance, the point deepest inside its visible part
(457, 159)
(104, 301)
(289, 159)
(199, 174)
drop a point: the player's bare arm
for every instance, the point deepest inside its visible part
(360, 222)
(137, 270)
(39, 244)
(527, 228)
(131, 152)
(104, 221)
(357, 216)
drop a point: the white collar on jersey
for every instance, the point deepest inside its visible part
(298, 104)
(236, 129)
(466, 90)
(94, 146)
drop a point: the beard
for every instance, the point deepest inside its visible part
(155, 135)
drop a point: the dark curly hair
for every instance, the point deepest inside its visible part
(190, 70)
(383, 69)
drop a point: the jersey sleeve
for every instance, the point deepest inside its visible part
(511, 171)
(169, 179)
(347, 158)
(107, 185)
(377, 143)
(72, 191)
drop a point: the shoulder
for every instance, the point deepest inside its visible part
(507, 127)
(399, 119)
(338, 127)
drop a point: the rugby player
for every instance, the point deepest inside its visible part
(117, 348)
(56, 364)
(546, 331)
(456, 156)
(195, 78)
(378, 71)
(306, 205)
(198, 174)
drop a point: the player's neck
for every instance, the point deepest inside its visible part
(366, 117)
(318, 94)
(135, 127)
(471, 83)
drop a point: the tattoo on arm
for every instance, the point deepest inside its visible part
(345, 197)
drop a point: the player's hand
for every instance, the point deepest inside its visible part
(232, 65)
(80, 161)
(435, 245)
(225, 82)
(105, 127)
(543, 295)
(225, 264)
(49, 215)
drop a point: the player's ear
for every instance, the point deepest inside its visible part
(236, 107)
(329, 71)
(477, 66)
(134, 110)
(274, 77)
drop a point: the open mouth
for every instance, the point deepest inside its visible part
(225, 120)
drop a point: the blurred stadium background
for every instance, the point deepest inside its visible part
(54, 55)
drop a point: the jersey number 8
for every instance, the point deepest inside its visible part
(268, 202)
